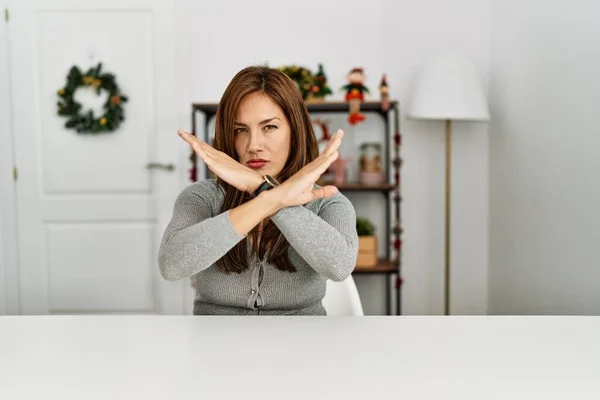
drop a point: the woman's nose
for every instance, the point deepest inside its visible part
(256, 141)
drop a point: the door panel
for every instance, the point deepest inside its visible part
(90, 212)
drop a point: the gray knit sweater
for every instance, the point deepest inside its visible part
(323, 245)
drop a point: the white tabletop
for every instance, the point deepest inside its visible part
(161, 357)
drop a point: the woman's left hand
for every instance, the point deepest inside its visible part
(225, 167)
(298, 189)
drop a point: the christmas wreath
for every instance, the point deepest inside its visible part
(86, 121)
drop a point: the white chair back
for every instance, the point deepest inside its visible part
(342, 298)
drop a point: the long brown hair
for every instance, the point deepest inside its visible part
(284, 92)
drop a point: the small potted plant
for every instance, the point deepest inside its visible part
(367, 243)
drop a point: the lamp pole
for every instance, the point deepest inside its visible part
(447, 220)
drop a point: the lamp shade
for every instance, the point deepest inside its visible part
(449, 87)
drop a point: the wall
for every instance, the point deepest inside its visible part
(544, 168)
(382, 36)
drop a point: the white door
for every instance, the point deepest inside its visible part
(90, 211)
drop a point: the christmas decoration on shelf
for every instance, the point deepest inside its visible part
(384, 90)
(321, 128)
(86, 122)
(397, 163)
(302, 76)
(355, 94)
(371, 159)
(340, 170)
(313, 86)
(194, 169)
(319, 89)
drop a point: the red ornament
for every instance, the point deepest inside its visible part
(397, 139)
(399, 282)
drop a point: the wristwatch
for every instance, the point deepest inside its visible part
(268, 183)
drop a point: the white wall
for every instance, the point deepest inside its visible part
(545, 189)
(382, 36)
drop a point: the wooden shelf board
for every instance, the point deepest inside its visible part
(342, 106)
(356, 186)
(383, 266)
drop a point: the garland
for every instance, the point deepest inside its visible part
(313, 86)
(302, 76)
(86, 122)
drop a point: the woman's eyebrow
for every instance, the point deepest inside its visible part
(260, 123)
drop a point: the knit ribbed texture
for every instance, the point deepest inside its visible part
(323, 245)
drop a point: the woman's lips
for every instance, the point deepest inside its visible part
(256, 164)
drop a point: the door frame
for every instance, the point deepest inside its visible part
(9, 276)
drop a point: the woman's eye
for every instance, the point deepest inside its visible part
(270, 127)
(238, 130)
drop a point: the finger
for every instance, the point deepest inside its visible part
(331, 139)
(191, 139)
(188, 138)
(316, 168)
(334, 142)
(201, 147)
(325, 191)
(198, 147)
(314, 173)
(184, 135)
(326, 162)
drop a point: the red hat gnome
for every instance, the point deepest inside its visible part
(355, 94)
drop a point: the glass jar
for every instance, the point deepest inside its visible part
(370, 157)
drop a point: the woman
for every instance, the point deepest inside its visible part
(261, 238)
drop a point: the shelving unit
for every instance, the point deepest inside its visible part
(390, 266)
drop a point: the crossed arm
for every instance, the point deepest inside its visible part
(326, 240)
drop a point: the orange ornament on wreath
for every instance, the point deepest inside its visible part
(86, 122)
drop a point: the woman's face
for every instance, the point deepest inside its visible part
(262, 134)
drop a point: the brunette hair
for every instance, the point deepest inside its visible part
(284, 92)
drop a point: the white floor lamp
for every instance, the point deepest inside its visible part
(448, 88)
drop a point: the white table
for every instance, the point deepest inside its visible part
(161, 357)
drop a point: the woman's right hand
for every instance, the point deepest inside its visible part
(299, 189)
(225, 167)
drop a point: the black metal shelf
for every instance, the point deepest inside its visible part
(210, 109)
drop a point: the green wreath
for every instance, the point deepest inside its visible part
(87, 122)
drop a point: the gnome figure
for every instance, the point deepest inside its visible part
(355, 94)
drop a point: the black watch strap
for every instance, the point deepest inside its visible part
(268, 183)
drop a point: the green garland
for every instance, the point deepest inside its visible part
(86, 122)
(312, 85)
(301, 75)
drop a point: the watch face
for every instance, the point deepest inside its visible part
(271, 181)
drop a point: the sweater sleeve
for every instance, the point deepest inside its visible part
(195, 239)
(326, 240)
